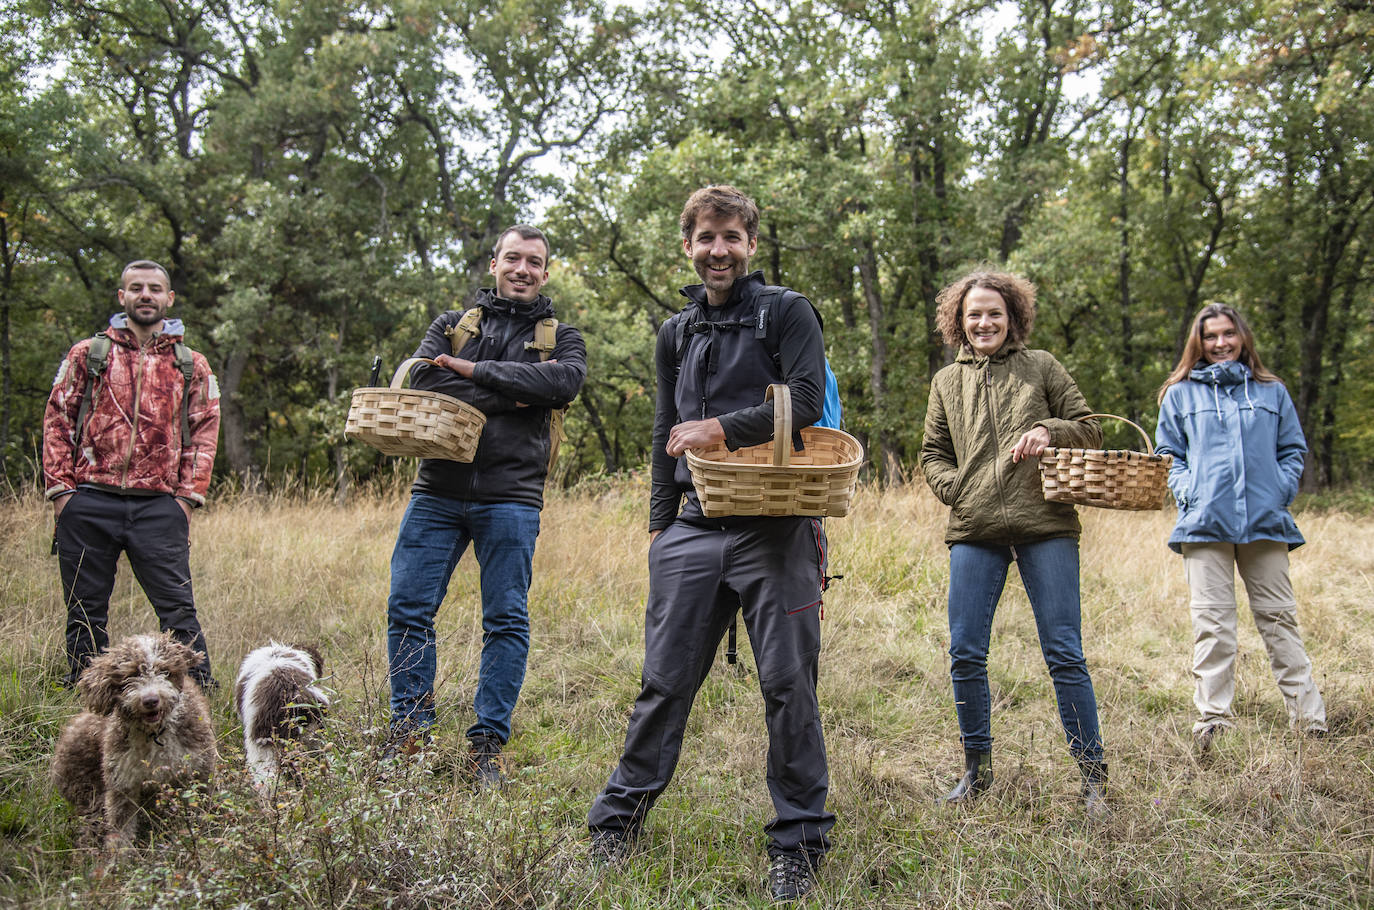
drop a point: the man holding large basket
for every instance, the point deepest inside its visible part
(489, 356)
(714, 360)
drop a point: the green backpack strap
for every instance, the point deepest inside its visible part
(545, 337)
(187, 364)
(97, 358)
(466, 329)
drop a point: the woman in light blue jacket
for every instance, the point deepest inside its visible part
(1238, 456)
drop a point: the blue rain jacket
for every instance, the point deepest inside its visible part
(1238, 456)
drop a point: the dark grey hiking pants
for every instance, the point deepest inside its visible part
(94, 528)
(771, 570)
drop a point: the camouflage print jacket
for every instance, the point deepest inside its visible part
(132, 438)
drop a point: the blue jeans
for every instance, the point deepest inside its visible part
(435, 532)
(1049, 570)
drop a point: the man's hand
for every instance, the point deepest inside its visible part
(1031, 444)
(456, 364)
(60, 503)
(693, 435)
(653, 535)
(185, 507)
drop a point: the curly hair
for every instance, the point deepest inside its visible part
(722, 201)
(1017, 292)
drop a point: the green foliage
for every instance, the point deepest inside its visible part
(325, 179)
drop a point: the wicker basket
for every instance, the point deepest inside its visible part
(398, 421)
(1111, 478)
(771, 479)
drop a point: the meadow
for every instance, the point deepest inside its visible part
(1266, 820)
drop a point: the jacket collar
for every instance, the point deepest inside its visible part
(744, 289)
(1228, 373)
(969, 355)
(540, 307)
(172, 331)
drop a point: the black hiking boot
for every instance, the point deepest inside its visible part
(1095, 790)
(977, 778)
(609, 846)
(484, 760)
(791, 876)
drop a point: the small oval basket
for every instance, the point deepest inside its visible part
(1107, 478)
(770, 479)
(414, 422)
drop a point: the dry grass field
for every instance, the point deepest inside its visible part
(1268, 820)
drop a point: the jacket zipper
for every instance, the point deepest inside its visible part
(996, 447)
(133, 429)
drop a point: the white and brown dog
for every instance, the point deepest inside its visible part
(278, 699)
(145, 731)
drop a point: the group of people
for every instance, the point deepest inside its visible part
(130, 433)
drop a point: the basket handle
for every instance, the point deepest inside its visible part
(403, 370)
(781, 396)
(1149, 446)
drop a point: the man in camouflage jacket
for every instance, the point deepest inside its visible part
(126, 476)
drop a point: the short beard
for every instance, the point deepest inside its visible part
(146, 322)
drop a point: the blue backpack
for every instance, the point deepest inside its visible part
(832, 414)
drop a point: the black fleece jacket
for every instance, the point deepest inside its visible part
(513, 452)
(724, 374)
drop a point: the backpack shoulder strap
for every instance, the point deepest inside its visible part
(187, 364)
(545, 337)
(770, 301)
(682, 323)
(97, 359)
(466, 329)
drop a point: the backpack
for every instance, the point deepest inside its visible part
(545, 337)
(832, 413)
(98, 358)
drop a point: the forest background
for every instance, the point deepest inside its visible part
(323, 179)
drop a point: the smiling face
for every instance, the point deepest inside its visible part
(521, 267)
(1220, 339)
(720, 249)
(146, 297)
(985, 320)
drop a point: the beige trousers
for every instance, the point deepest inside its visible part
(1210, 569)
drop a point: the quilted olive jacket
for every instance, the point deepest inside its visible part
(979, 407)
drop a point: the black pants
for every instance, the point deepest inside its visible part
(771, 570)
(94, 528)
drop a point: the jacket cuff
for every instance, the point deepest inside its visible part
(52, 493)
(194, 500)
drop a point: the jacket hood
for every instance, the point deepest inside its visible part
(170, 326)
(1227, 372)
(969, 355)
(696, 293)
(540, 307)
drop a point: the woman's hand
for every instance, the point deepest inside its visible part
(1031, 444)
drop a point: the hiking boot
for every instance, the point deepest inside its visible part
(1095, 790)
(977, 778)
(790, 876)
(1205, 737)
(405, 743)
(609, 846)
(484, 761)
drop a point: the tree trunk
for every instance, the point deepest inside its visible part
(233, 421)
(889, 459)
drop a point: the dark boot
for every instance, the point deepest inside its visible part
(1095, 789)
(977, 777)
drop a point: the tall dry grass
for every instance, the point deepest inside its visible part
(1268, 820)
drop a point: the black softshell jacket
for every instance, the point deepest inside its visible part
(724, 373)
(513, 452)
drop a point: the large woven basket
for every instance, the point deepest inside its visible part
(771, 479)
(1110, 478)
(397, 421)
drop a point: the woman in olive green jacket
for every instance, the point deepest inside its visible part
(991, 413)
